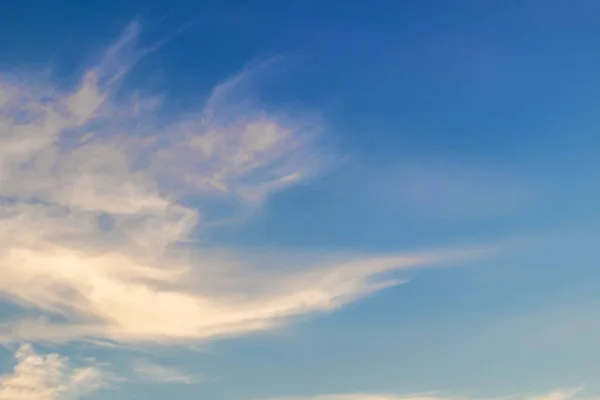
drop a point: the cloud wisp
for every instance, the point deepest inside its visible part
(98, 198)
(557, 394)
(447, 190)
(148, 371)
(48, 377)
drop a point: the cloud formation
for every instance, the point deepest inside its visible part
(98, 197)
(48, 377)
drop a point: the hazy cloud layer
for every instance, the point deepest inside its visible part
(446, 190)
(557, 394)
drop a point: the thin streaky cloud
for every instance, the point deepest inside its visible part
(577, 393)
(153, 372)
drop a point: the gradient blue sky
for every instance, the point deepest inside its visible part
(299, 200)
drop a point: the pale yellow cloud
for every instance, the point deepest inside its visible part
(94, 214)
(48, 377)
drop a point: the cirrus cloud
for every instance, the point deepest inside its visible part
(98, 199)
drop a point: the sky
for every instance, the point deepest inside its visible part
(274, 200)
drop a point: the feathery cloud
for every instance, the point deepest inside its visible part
(97, 202)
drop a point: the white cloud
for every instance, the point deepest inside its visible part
(95, 206)
(153, 372)
(48, 377)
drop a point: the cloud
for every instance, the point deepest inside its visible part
(48, 377)
(148, 371)
(99, 196)
(557, 394)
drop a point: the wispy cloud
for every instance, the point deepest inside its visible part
(364, 396)
(48, 377)
(453, 191)
(153, 372)
(557, 394)
(97, 197)
(449, 190)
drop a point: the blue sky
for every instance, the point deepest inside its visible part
(296, 200)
